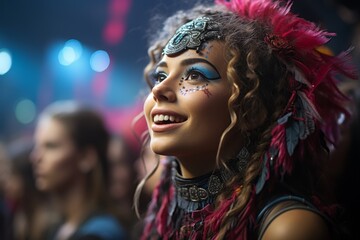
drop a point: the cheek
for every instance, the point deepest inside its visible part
(148, 105)
(61, 166)
(64, 160)
(213, 107)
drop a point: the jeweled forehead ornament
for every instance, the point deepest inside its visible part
(192, 35)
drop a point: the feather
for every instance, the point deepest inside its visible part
(309, 106)
(292, 136)
(299, 76)
(263, 176)
(284, 118)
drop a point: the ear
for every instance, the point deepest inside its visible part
(88, 160)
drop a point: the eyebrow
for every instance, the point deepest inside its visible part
(189, 61)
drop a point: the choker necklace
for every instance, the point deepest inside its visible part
(195, 193)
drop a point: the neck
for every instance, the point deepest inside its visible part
(205, 162)
(72, 202)
(191, 168)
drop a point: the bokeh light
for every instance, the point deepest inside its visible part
(5, 61)
(71, 51)
(99, 61)
(25, 111)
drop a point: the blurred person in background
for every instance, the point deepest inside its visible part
(4, 211)
(144, 165)
(123, 179)
(28, 208)
(148, 163)
(342, 171)
(70, 163)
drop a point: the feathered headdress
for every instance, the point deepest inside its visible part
(315, 102)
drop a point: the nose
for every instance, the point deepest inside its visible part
(165, 91)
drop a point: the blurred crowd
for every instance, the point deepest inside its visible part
(75, 178)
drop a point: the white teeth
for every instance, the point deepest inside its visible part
(162, 117)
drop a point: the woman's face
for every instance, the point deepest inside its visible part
(187, 110)
(55, 156)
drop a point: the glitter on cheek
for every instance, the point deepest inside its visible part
(184, 90)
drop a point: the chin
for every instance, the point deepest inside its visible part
(161, 149)
(42, 185)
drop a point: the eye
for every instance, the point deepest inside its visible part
(195, 76)
(201, 73)
(51, 145)
(158, 77)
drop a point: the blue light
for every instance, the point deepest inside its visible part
(99, 61)
(25, 111)
(5, 61)
(71, 51)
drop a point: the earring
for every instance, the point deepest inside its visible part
(242, 159)
(215, 184)
(243, 155)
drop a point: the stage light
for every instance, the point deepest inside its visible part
(71, 51)
(25, 111)
(5, 61)
(99, 61)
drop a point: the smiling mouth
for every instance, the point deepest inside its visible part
(166, 119)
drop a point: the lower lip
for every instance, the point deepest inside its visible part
(164, 127)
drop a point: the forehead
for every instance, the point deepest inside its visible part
(212, 51)
(49, 127)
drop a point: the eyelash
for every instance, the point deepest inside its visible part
(155, 77)
(159, 76)
(192, 70)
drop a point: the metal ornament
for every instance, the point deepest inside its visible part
(215, 184)
(192, 35)
(242, 158)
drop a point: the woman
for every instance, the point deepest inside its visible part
(29, 208)
(341, 172)
(70, 162)
(123, 179)
(246, 106)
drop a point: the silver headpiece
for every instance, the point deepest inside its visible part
(192, 35)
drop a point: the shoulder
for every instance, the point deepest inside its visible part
(104, 226)
(297, 224)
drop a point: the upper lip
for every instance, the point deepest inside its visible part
(177, 117)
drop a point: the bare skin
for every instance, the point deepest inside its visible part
(297, 224)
